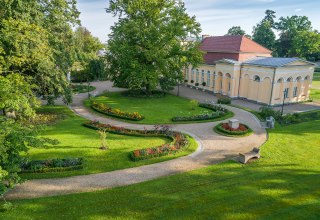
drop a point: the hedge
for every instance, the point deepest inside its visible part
(179, 140)
(218, 112)
(117, 113)
(220, 130)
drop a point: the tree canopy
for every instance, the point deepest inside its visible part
(235, 31)
(147, 46)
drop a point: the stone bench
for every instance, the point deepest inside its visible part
(244, 158)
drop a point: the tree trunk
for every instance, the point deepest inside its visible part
(4, 111)
(148, 89)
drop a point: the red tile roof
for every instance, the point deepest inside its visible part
(232, 44)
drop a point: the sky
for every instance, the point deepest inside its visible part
(215, 16)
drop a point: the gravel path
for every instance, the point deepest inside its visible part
(213, 148)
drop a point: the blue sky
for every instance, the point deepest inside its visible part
(215, 16)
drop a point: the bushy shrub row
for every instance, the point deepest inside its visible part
(282, 119)
(224, 101)
(242, 131)
(104, 109)
(218, 112)
(51, 165)
(179, 140)
(144, 94)
(82, 88)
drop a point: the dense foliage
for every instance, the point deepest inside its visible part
(104, 109)
(147, 47)
(51, 165)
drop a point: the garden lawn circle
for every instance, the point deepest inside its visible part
(159, 110)
(76, 88)
(225, 130)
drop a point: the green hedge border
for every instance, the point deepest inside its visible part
(145, 133)
(205, 117)
(114, 115)
(219, 130)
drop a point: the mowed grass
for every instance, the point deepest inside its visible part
(283, 184)
(155, 110)
(78, 141)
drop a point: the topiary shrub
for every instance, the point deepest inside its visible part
(192, 81)
(224, 101)
(197, 84)
(185, 80)
(204, 84)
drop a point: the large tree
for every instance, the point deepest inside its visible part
(288, 28)
(147, 46)
(305, 44)
(263, 32)
(235, 31)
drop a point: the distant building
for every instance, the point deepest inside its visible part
(238, 67)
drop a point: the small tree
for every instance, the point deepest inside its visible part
(103, 138)
(194, 103)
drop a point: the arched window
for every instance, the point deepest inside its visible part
(280, 80)
(307, 78)
(298, 79)
(256, 78)
(289, 79)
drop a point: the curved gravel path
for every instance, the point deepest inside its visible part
(213, 148)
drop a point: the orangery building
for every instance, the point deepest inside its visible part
(238, 67)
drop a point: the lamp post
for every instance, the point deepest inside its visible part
(284, 98)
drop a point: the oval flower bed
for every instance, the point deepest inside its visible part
(226, 130)
(218, 112)
(179, 140)
(51, 165)
(104, 109)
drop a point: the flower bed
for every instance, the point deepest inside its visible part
(104, 109)
(224, 129)
(179, 140)
(51, 165)
(218, 112)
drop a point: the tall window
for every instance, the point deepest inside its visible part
(192, 75)
(229, 86)
(295, 91)
(197, 76)
(202, 76)
(286, 93)
(208, 78)
(187, 75)
(214, 79)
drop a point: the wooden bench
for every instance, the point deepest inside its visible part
(244, 158)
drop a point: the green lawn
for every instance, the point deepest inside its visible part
(78, 141)
(155, 110)
(283, 184)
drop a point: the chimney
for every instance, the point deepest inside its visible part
(204, 36)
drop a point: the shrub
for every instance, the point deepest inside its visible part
(223, 128)
(51, 165)
(204, 84)
(143, 94)
(104, 109)
(267, 111)
(218, 112)
(185, 80)
(192, 81)
(224, 101)
(197, 84)
(179, 140)
(194, 103)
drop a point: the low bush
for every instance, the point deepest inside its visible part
(192, 81)
(144, 94)
(197, 84)
(224, 101)
(224, 129)
(104, 109)
(268, 111)
(82, 88)
(51, 165)
(218, 112)
(179, 140)
(185, 80)
(204, 84)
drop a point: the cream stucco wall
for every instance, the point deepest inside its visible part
(260, 84)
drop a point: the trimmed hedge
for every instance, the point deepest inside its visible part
(220, 130)
(179, 140)
(51, 165)
(143, 94)
(117, 113)
(218, 112)
(224, 101)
